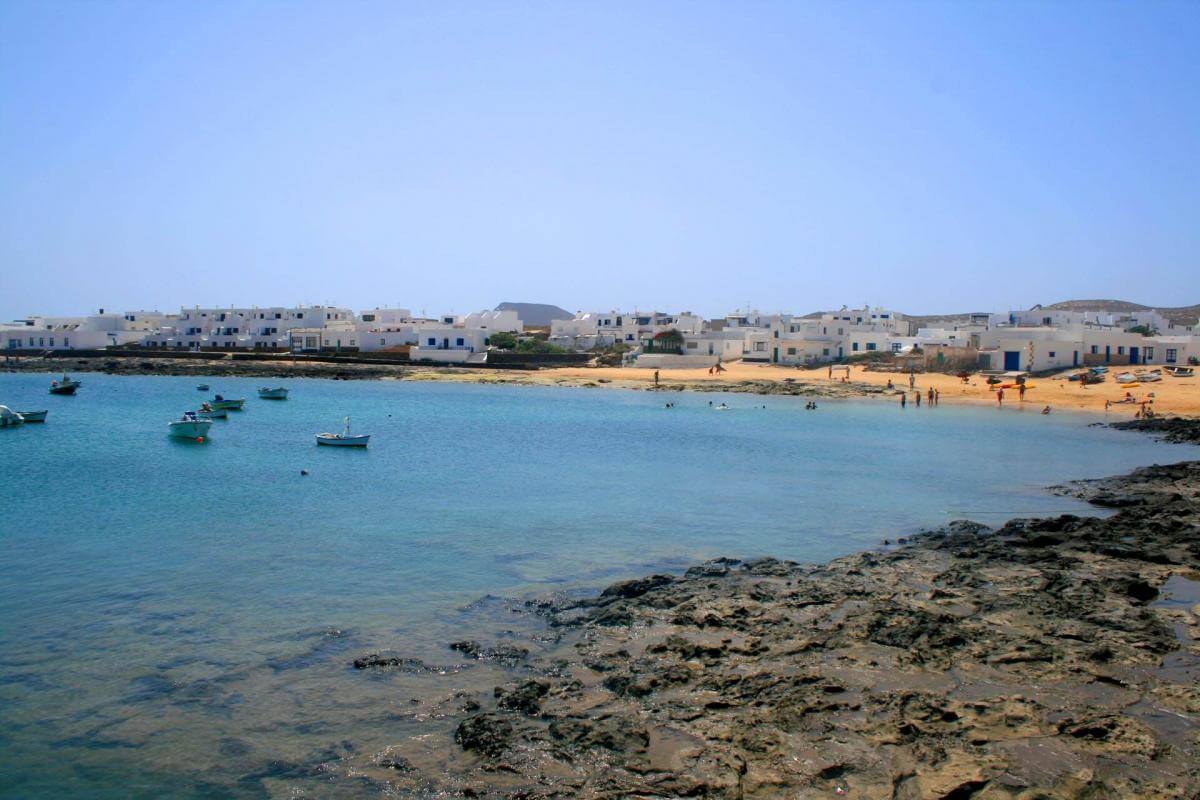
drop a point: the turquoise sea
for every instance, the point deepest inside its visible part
(178, 619)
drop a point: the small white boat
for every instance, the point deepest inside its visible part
(208, 412)
(202, 387)
(1149, 377)
(1126, 377)
(33, 416)
(10, 418)
(190, 426)
(278, 393)
(345, 438)
(1181, 372)
(219, 403)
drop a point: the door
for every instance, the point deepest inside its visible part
(1012, 360)
(1133, 355)
(1075, 359)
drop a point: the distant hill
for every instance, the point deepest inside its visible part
(1180, 315)
(1185, 315)
(536, 315)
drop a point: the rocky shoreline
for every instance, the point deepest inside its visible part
(1048, 658)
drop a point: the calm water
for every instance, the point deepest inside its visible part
(177, 618)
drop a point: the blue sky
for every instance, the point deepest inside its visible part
(701, 156)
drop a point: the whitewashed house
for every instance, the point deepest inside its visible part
(92, 332)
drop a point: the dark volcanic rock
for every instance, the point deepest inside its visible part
(1170, 429)
(377, 661)
(486, 734)
(526, 698)
(502, 653)
(1021, 663)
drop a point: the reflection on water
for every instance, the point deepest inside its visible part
(182, 619)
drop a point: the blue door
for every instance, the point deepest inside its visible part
(1075, 359)
(1012, 360)
(1107, 353)
(1133, 355)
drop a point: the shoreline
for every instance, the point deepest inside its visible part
(1177, 397)
(1052, 657)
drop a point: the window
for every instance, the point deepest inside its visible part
(459, 342)
(895, 347)
(1149, 353)
(66, 342)
(791, 351)
(854, 347)
(382, 342)
(368, 317)
(52, 341)
(760, 347)
(870, 345)
(1051, 354)
(1172, 355)
(692, 345)
(278, 316)
(825, 351)
(1095, 349)
(300, 315)
(432, 341)
(1120, 350)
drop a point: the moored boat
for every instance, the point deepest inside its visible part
(344, 439)
(33, 416)
(202, 387)
(220, 402)
(1181, 372)
(1150, 377)
(189, 426)
(1126, 377)
(10, 418)
(64, 386)
(208, 412)
(278, 393)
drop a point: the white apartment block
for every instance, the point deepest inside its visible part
(79, 333)
(256, 329)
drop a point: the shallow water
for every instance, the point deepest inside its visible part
(179, 618)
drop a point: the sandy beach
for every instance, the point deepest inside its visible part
(1180, 396)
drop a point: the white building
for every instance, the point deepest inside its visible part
(79, 333)
(591, 329)
(255, 328)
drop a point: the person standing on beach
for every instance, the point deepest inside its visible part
(1021, 392)
(937, 396)
(831, 372)
(656, 377)
(917, 396)
(903, 399)
(999, 397)
(930, 398)
(912, 380)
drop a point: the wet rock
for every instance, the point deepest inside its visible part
(506, 654)
(526, 698)
(486, 734)
(626, 590)
(377, 661)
